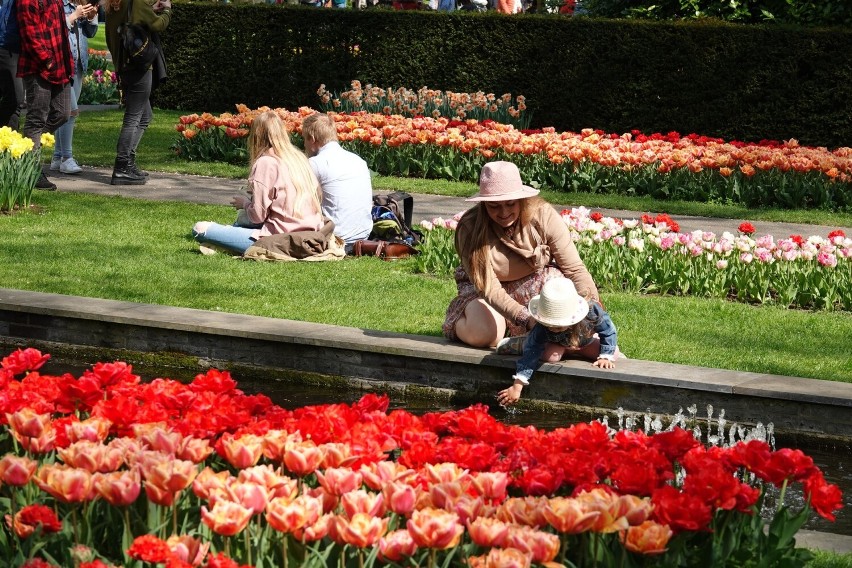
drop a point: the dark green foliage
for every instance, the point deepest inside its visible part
(799, 12)
(716, 79)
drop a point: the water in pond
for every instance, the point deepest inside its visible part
(833, 459)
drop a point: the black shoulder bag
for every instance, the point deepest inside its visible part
(140, 50)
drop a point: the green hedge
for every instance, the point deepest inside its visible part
(716, 79)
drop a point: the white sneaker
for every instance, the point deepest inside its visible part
(55, 164)
(70, 166)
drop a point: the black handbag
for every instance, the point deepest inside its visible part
(140, 49)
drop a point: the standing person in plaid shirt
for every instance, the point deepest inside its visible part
(46, 67)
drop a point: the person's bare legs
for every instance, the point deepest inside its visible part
(480, 325)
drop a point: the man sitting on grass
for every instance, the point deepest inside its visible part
(347, 191)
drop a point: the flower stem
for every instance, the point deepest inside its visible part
(783, 494)
(284, 550)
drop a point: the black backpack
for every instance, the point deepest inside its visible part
(392, 215)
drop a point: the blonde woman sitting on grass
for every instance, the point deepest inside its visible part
(283, 193)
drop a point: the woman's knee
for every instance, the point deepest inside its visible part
(480, 326)
(200, 228)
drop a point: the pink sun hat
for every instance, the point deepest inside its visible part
(501, 181)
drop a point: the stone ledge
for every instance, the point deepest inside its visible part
(795, 405)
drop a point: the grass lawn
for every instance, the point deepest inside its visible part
(141, 251)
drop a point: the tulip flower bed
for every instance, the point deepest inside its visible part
(663, 166)
(103, 470)
(650, 255)
(427, 102)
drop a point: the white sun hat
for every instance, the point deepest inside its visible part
(559, 304)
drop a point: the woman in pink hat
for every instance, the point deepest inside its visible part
(510, 244)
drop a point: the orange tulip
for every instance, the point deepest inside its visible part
(362, 530)
(195, 450)
(469, 508)
(285, 515)
(165, 477)
(503, 558)
(276, 442)
(329, 501)
(92, 456)
(491, 485)
(69, 485)
(339, 480)
(42, 444)
(435, 528)
(226, 517)
(647, 538)
(17, 470)
(635, 509)
(188, 549)
(277, 485)
(541, 545)
(316, 531)
(241, 452)
(445, 495)
(377, 474)
(608, 505)
(445, 472)
(396, 545)
(253, 496)
(569, 516)
(523, 511)
(209, 482)
(336, 455)
(94, 429)
(488, 532)
(360, 501)
(399, 497)
(118, 488)
(303, 458)
(27, 422)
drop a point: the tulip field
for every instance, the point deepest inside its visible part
(689, 167)
(105, 470)
(651, 255)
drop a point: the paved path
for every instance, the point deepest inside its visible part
(201, 189)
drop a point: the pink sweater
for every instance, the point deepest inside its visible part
(273, 201)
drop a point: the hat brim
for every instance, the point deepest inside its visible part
(522, 193)
(575, 317)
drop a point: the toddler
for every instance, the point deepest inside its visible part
(568, 325)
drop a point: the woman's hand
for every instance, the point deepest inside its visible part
(510, 396)
(90, 11)
(604, 364)
(239, 202)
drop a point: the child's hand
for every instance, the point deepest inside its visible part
(604, 364)
(510, 396)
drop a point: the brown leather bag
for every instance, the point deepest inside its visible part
(386, 250)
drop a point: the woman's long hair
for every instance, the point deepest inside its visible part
(269, 132)
(481, 259)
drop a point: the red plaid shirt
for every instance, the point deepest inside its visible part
(45, 49)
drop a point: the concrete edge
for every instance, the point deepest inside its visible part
(700, 379)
